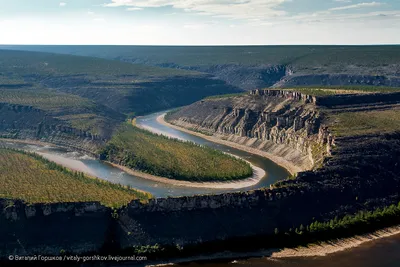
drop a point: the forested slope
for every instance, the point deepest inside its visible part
(250, 67)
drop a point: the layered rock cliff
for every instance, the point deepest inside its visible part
(29, 123)
(285, 124)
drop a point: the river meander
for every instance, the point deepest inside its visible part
(80, 162)
(378, 253)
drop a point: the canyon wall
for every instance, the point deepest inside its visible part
(338, 79)
(284, 124)
(29, 123)
(359, 172)
(49, 229)
(91, 227)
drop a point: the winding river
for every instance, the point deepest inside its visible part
(378, 253)
(89, 165)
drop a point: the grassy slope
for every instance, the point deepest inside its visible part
(355, 123)
(162, 156)
(367, 122)
(36, 180)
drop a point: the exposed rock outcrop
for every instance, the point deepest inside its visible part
(27, 122)
(285, 124)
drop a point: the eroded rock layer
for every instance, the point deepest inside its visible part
(285, 124)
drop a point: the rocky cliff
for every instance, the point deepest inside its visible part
(285, 124)
(27, 122)
(49, 229)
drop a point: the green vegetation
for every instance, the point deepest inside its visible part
(75, 111)
(32, 178)
(353, 224)
(366, 122)
(123, 87)
(171, 158)
(44, 99)
(86, 122)
(227, 95)
(299, 57)
(35, 63)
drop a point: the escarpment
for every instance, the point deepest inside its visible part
(29, 123)
(284, 124)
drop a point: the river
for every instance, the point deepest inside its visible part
(378, 253)
(81, 162)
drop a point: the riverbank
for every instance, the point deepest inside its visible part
(258, 174)
(29, 142)
(334, 246)
(312, 250)
(291, 168)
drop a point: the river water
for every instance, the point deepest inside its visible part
(379, 253)
(84, 163)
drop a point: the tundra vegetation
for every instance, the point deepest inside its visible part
(367, 122)
(162, 156)
(32, 178)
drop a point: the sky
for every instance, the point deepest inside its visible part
(199, 22)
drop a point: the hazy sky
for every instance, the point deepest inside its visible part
(199, 22)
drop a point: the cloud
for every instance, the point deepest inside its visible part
(63, 4)
(359, 5)
(236, 9)
(194, 26)
(90, 13)
(343, 1)
(134, 8)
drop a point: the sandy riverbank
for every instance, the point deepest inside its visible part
(291, 168)
(312, 250)
(258, 174)
(326, 248)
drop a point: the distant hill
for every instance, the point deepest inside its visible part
(250, 67)
(121, 86)
(43, 95)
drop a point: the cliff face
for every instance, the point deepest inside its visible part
(285, 124)
(27, 122)
(89, 227)
(48, 229)
(363, 173)
(337, 79)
